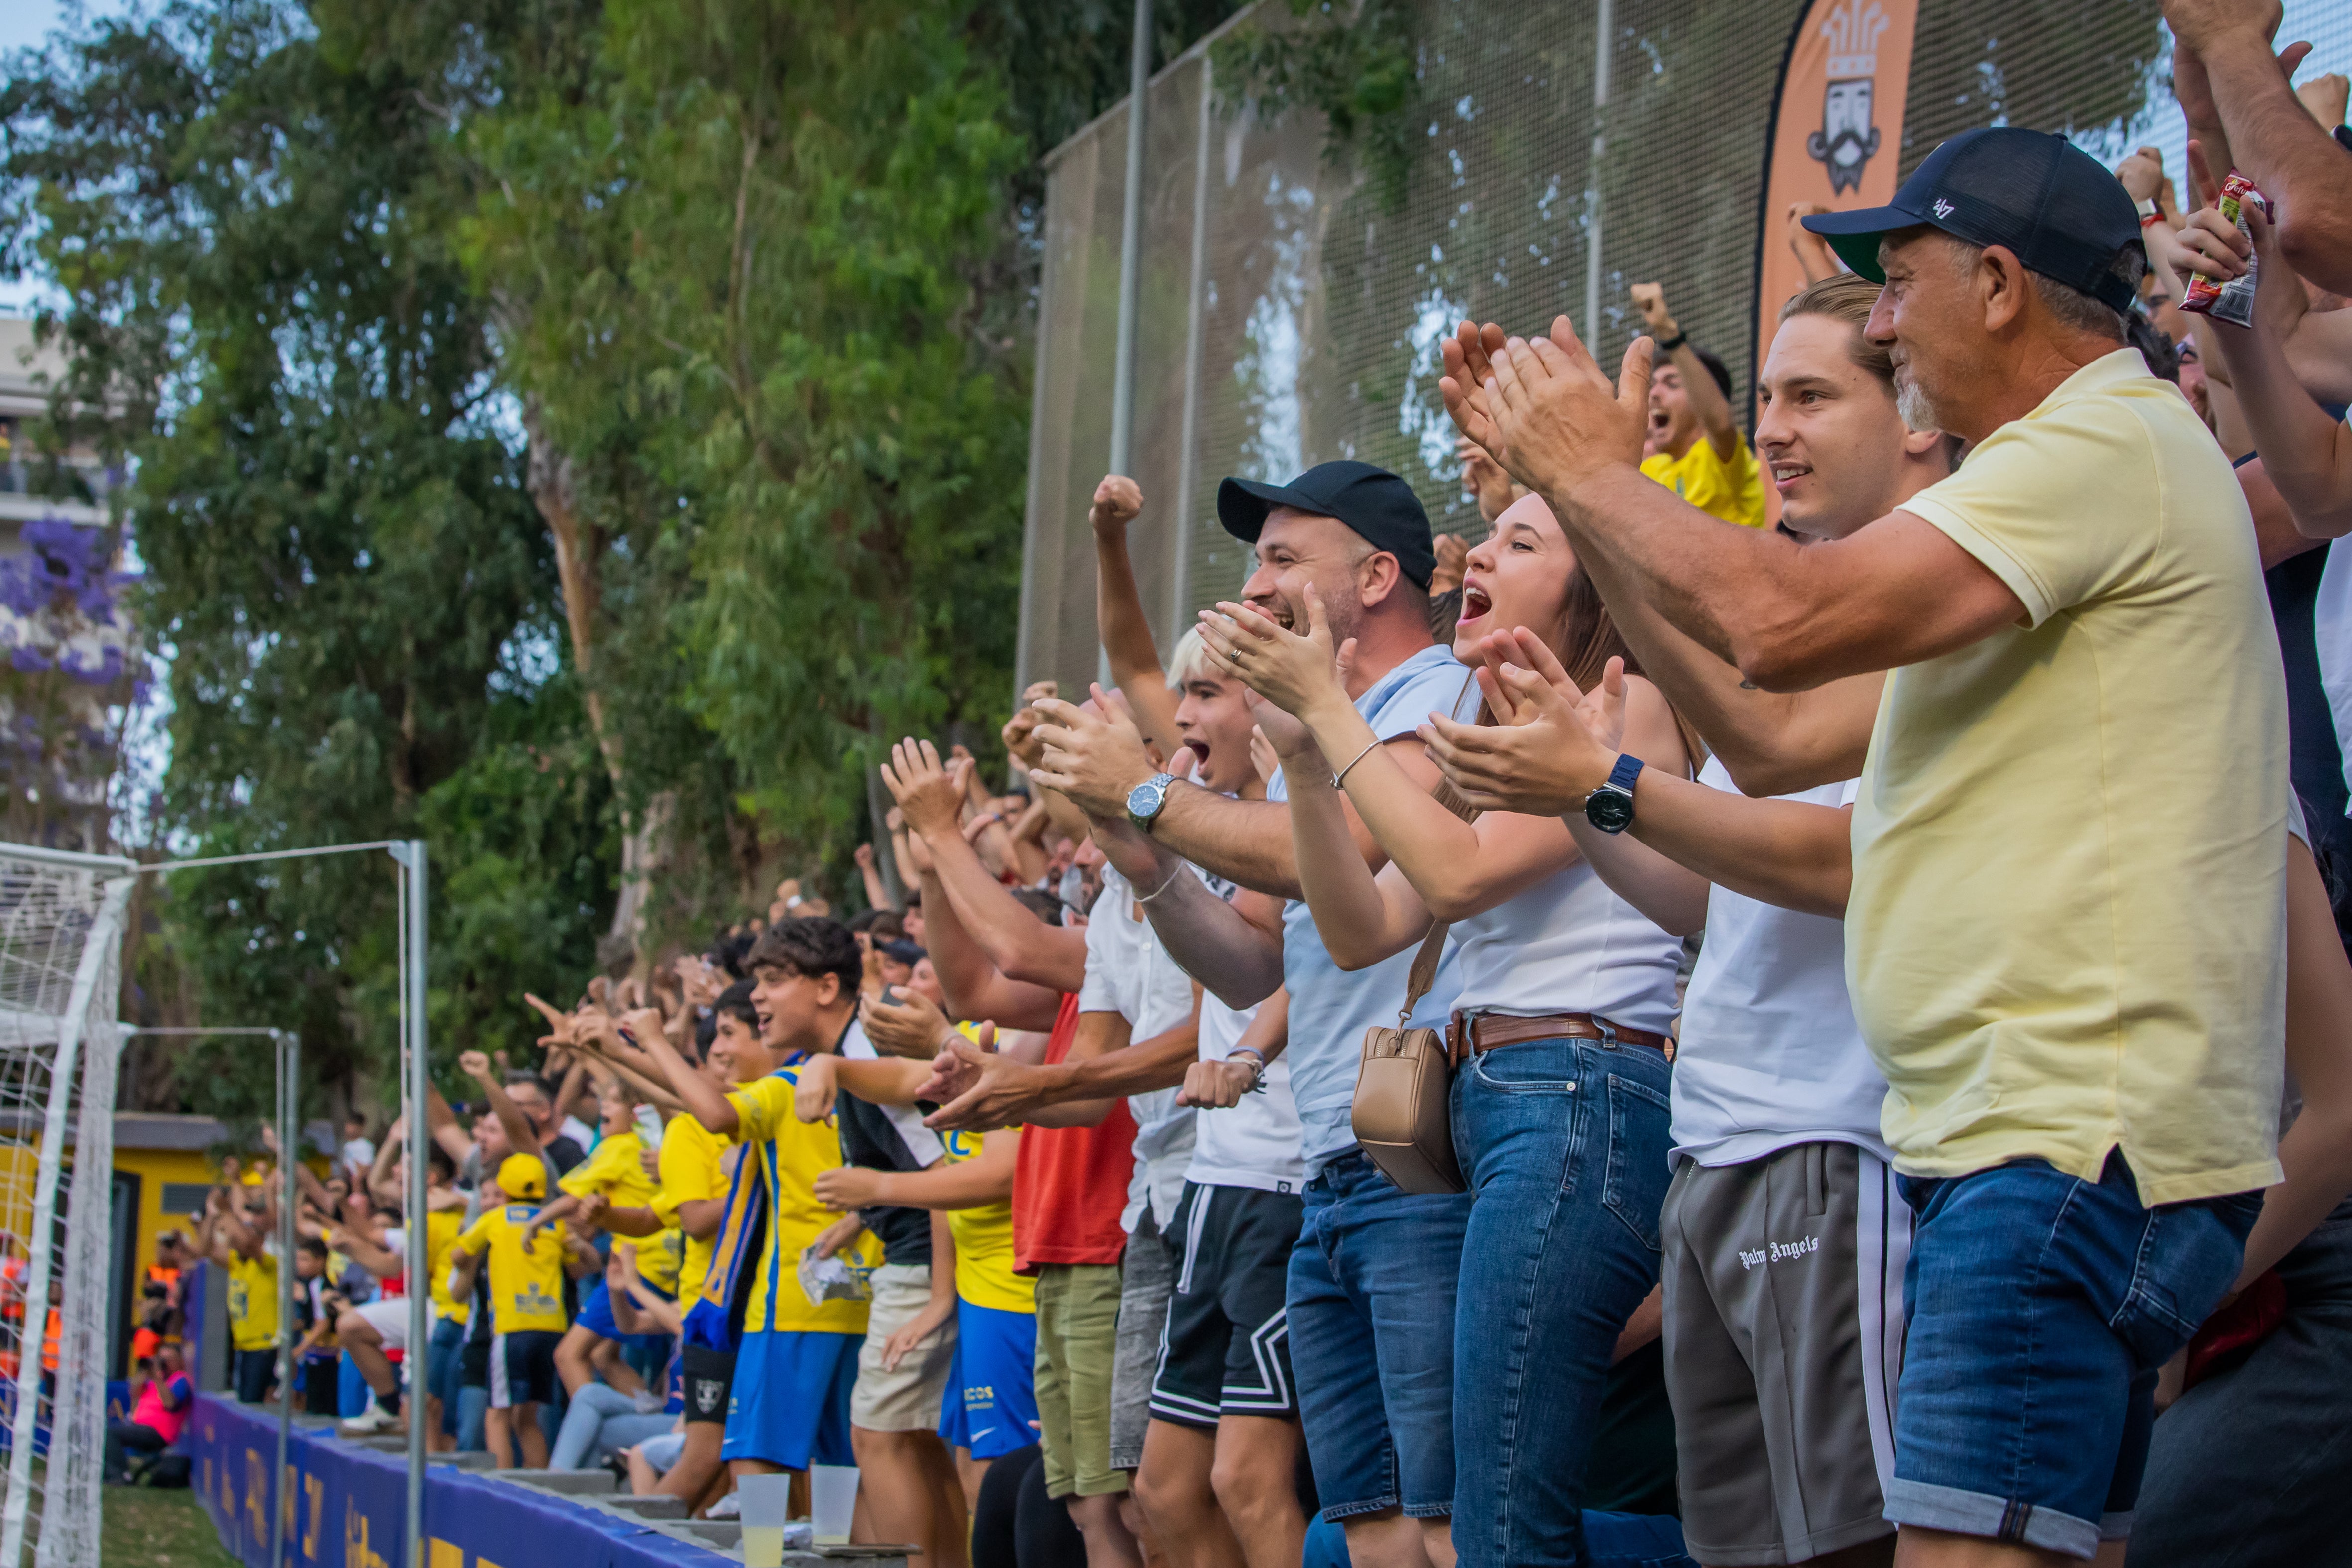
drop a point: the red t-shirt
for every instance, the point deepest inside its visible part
(1069, 1183)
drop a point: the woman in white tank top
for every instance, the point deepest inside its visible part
(1559, 1105)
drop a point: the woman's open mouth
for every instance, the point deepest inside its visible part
(1475, 602)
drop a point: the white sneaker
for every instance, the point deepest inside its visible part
(647, 1401)
(371, 1422)
(728, 1507)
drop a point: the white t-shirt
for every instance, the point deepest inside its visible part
(1769, 1055)
(2331, 630)
(1257, 1142)
(1330, 1008)
(1129, 973)
(358, 1155)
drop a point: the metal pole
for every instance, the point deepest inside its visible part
(1603, 36)
(1131, 244)
(420, 1088)
(290, 1151)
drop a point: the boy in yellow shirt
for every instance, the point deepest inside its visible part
(797, 1362)
(237, 1240)
(610, 1191)
(527, 1318)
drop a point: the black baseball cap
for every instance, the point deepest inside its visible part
(2033, 192)
(1375, 503)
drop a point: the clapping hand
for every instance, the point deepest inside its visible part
(1298, 674)
(1094, 754)
(1542, 408)
(909, 1025)
(931, 795)
(1549, 752)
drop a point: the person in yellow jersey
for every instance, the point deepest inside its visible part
(238, 1221)
(796, 1364)
(609, 1191)
(696, 1174)
(1696, 448)
(527, 1321)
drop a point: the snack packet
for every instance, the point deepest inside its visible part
(2230, 299)
(833, 1278)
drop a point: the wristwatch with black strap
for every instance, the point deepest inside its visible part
(1610, 807)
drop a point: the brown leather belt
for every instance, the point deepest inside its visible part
(1467, 1035)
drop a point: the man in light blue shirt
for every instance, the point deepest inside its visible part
(1372, 1280)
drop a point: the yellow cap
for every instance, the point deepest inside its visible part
(522, 1176)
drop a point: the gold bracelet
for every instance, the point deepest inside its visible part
(1340, 777)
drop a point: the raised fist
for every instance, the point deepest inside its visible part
(1117, 501)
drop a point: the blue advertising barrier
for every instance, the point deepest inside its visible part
(345, 1506)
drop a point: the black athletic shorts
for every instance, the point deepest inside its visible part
(1226, 1350)
(522, 1368)
(474, 1364)
(707, 1377)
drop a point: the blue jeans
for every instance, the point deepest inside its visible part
(1610, 1541)
(1564, 1142)
(600, 1419)
(441, 1368)
(2041, 1307)
(1370, 1306)
(473, 1418)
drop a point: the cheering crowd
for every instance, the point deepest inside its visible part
(1787, 1004)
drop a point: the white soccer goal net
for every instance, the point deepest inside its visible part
(61, 952)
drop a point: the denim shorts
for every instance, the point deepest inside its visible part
(2041, 1306)
(1371, 1311)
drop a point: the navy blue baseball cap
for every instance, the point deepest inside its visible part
(2033, 192)
(1372, 501)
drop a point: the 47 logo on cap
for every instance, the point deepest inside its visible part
(1943, 208)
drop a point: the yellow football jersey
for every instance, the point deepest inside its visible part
(442, 1228)
(526, 1280)
(253, 1301)
(693, 1170)
(791, 1154)
(614, 1170)
(984, 1242)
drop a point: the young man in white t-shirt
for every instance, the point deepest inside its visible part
(1784, 1238)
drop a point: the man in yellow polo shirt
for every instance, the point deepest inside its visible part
(2064, 939)
(1697, 449)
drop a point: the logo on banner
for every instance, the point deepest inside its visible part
(1847, 140)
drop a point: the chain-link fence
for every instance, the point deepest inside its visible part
(1292, 313)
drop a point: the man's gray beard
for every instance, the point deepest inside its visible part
(1917, 412)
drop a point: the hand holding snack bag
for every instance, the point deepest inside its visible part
(2230, 299)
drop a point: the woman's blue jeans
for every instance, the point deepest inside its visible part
(1564, 1142)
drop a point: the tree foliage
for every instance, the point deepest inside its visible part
(578, 432)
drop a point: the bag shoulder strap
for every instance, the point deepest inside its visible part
(1423, 973)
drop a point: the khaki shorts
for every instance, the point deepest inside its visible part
(1077, 1339)
(909, 1397)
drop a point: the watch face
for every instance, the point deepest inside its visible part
(1144, 799)
(1610, 810)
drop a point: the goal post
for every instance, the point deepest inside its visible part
(61, 918)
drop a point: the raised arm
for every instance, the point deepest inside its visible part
(1120, 619)
(1687, 836)
(986, 1178)
(1789, 616)
(1020, 946)
(521, 1136)
(1700, 389)
(2306, 454)
(704, 1100)
(1456, 867)
(2236, 96)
